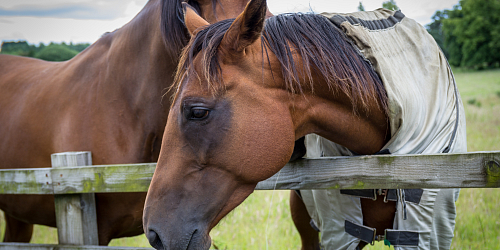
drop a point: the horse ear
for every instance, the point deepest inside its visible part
(192, 20)
(247, 27)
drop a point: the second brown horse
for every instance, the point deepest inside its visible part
(107, 100)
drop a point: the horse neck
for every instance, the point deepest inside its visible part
(329, 112)
(131, 64)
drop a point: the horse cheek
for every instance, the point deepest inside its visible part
(266, 141)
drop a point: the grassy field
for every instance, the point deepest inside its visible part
(263, 220)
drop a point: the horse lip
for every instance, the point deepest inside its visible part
(189, 239)
(215, 221)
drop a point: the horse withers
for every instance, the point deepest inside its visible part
(248, 88)
(109, 100)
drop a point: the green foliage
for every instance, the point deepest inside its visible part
(21, 48)
(78, 47)
(451, 45)
(469, 34)
(473, 101)
(361, 7)
(56, 52)
(436, 30)
(390, 5)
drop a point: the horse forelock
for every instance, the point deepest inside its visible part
(205, 44)
(319, 44)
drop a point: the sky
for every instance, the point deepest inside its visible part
(84, 21)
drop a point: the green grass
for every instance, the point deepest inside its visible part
(478, 220)
(478, 210)
(263, 220)
(483, 121)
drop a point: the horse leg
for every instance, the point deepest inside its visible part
(16, 230)
(301, 219)
(119, 215)
(377, 214)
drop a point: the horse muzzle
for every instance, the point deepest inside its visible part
(178, 238)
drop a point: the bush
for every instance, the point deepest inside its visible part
(56, 52)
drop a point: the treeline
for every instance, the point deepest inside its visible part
(51, 52)
(469, 34)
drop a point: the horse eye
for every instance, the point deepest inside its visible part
(199, 113)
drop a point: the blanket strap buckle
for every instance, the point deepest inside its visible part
(383, 192)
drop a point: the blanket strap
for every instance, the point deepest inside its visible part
(411, 195)
(390, 237)
(448, 148)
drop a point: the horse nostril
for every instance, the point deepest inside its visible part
(154, 240)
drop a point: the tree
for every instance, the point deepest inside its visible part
(390, 5)
(361, 7)
(20, 48)
(56, 52)
(452, 46)
(79, 46)
(472, 30)
(435, 29)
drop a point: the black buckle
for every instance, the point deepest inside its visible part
(383, 192)
(378, 238)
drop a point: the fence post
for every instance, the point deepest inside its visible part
(75, 213)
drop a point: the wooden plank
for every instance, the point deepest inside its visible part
(71, 180)
(103, 179)
(381, 171)
(470, 170)
(76, 216)
(26, 181)
(19, 246)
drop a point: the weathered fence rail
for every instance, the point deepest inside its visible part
(74, 185)
(469, 170)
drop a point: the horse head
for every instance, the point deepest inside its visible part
(233, 123)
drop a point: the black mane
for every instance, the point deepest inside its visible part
(174, 31)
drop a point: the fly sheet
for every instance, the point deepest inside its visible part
(426, 117)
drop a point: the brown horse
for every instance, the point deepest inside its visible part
(242, 100)
(245, 92)
(107, 100)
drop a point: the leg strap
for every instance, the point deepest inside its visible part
(391, 237)
(411, 195)
(401, 238)
(364, 233)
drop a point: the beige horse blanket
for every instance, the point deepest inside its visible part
(426, 117)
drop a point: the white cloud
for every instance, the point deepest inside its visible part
(77, 9)
(421, 10)
(109, 15)
(46, 30)
(57, 29)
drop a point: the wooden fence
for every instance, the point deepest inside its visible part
(73, 180)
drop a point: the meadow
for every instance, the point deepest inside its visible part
(263, 220)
